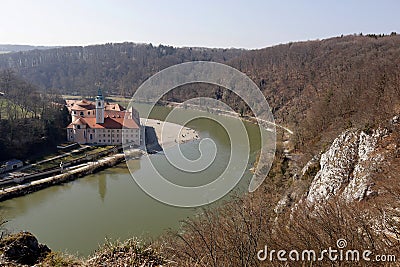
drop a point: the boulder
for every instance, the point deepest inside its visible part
(23, 248)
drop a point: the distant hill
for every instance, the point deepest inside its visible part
(118, 68)
(9, 48)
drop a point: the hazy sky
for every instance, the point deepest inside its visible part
(211, 23)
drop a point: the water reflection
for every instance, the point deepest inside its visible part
(102, 187)
(77, 216)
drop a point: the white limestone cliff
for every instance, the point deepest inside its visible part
(346, 167)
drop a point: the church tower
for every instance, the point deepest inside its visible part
(99, 107)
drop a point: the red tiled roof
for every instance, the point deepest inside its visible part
(114, 114)
(80, 121)
(116, 107)
(83, 105)
(109, 123)
(82, 108)
(83, 102)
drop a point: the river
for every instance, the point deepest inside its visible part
(77, 217)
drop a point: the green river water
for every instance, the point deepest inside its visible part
(77, 217)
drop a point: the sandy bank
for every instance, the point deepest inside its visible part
(170, 134)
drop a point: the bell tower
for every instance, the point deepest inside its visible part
(99, 107)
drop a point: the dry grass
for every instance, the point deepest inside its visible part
(57, 259)
(131, 252)
(232, 234)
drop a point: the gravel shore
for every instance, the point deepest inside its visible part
(170, 134)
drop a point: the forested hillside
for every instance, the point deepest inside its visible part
(118, 68)
(347, 191)
(320, 88)
(8, 48)
(30, 122)
(314, 87)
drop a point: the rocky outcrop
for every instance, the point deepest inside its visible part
(22, 248)
(346, 167)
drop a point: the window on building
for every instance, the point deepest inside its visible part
(78, 126)
(81, 113)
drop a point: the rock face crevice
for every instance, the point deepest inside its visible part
(346, 167)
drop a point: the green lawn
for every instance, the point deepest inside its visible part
(3, 103)
(71, 97)
(56, 162)
(115, 99)
(3, 109)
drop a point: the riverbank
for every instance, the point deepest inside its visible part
(110, 197)
(69, 174)
(227, 113)
(170, 134)
(165, 134)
